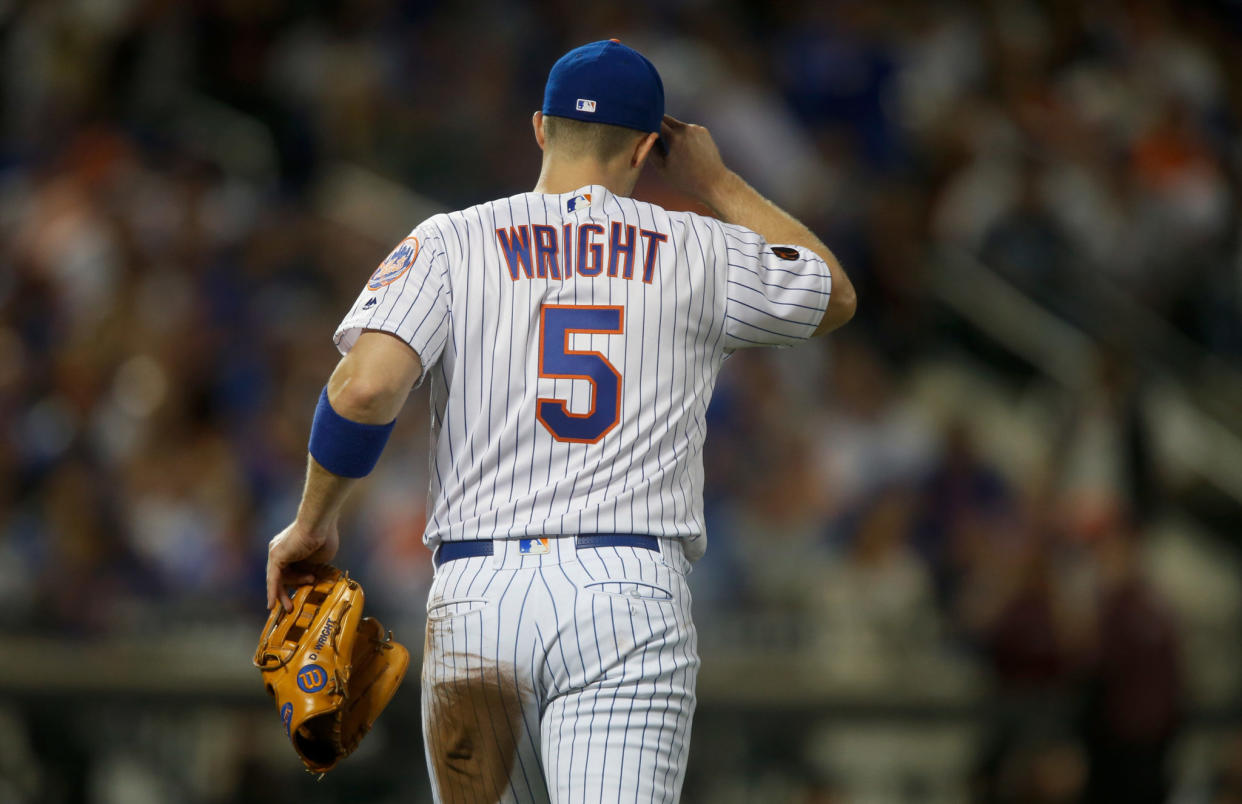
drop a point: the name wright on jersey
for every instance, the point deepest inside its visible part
(587, 249)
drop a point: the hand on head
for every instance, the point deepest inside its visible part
(689, 159)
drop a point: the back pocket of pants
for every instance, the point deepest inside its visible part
(448, 609)
(630, 590)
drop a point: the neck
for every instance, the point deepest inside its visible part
(558, 176)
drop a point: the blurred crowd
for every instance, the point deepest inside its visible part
(170, 278)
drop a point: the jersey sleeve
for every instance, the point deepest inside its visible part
(776, 295)
(406, 296)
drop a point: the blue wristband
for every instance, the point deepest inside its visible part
(344, 447)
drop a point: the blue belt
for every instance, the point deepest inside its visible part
(451, 551)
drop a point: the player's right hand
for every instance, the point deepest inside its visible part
(290, 556)
(690, 160)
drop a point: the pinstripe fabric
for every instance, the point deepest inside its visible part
(569, 676)
(563, 677)
(496, 473)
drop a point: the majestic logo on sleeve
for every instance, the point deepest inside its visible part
(578, 202)
(395, 264)
(785, 252)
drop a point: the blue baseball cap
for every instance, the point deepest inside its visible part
(606, 82)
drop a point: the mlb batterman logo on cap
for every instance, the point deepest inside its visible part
(606, 82)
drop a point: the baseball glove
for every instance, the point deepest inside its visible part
(330, 670)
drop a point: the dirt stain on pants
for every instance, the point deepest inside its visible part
(472, 715)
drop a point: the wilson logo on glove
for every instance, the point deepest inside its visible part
(333, 669)
(311, 678)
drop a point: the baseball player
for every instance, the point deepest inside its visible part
(571, 337)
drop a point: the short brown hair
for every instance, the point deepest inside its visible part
(578, 139)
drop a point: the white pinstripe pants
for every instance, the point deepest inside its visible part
(562, 677)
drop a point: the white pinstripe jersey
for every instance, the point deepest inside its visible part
(572, 343)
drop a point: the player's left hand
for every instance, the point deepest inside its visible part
(290, 556)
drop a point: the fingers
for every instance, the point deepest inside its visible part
(275, 566)
(273, 586)
(278, 588)
(670, 132)
(276, 592)
(673, 131)
(291, 557)
(279, 577)
(659, 154)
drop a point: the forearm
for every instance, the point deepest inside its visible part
(368, 387)
(323, 496)
(735, 201)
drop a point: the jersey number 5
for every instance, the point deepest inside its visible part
(558, 361)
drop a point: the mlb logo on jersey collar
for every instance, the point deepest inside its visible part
(533, 547)
(578, 202)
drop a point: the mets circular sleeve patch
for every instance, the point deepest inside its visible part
(395, 264)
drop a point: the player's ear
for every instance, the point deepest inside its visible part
(536, 120)
(642, 149)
